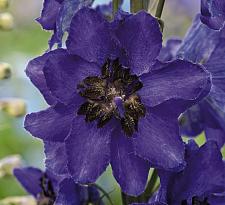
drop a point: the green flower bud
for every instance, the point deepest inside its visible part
(9, 163)
(14, 107)
(5, 70)
(6, 21)
(4, 4)
(18, 200)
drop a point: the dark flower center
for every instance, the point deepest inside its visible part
(196, 201)
(47, 196)
(113, 94)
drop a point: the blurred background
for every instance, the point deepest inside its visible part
(26, 41)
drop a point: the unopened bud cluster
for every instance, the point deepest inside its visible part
(14, 107)
(6, 19)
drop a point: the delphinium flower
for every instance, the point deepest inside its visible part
(57, 14)
(206, 46)
(49, 189)
(213, 13)
(202, 182)
(112, 102)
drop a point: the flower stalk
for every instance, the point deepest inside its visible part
(159, 9)
(137, 5)
(116, 4)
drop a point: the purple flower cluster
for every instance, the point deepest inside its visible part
(115, 96)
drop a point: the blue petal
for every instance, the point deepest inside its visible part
(130, 171)
(30, 179)
(66, 13)
(196, 179)
(199, 43)
(213, 13)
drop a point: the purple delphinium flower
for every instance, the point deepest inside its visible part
(57, 14)
(112, 102)
(207, 47)
(213, 13)
(49, 189)
(203, 176)
(201, 182)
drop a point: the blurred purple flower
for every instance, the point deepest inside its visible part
(202, 181)
(213, 13)
(49, 189)
(205, 46)
(112, 102)
(203, 176)
(57, 14)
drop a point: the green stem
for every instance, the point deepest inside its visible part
(137, 5)
(104, 192)
(159, 9)
(116, 4)
(124, 198)
(151, 184)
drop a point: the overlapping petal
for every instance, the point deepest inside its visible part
(30, 179)
(174, 80)
(34, 71)
(91, 40)
(52, 124)
(63, 74)
(49, 14)
(130, 171)
(141, 40)
(56, 161)
(213, 13)
(196, 179)
(88, 150)
(158, 141)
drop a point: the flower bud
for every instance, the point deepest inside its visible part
(9, 163)
(6, 21)
(18, 200)
(5, 70)
(4, 4)
(14, 107)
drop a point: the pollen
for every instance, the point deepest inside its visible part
(112, 95)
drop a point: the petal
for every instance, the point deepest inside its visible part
(34, 71)
(213, 13)
(168, 52)
(158, 141)
(217, 135)
(191, 121)
(199, 42)
(66, 13)
(52, 124)
(141, 39)
(49, 14)
(90, 40)
(56, 161)
(64, 73)
(88, 150)
(70, 193)
(130, 171)
(30, 179)
(174, 80)
(215, 65)
(196, 179)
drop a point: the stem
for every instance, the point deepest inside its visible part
(124, 198)
(151, 184)
(137, 5)
(159, 9)
(104, 192)
(116, 4)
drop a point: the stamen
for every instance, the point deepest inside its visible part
(113, 94)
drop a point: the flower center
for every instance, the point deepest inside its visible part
(113, 94)
(47, 196)
(196, 201)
